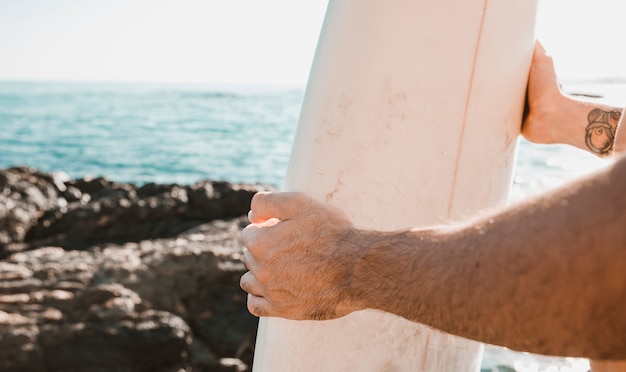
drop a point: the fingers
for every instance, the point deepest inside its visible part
(248, 260)
(282, 206)
(250, 234)
(284, 228)
(543, 65)
(540, 54)
(251, 284)
(260, 222)
(269, 214)
(543, 96)
(259, 240)
(259, 306)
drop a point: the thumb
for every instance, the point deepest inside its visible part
(278, 205)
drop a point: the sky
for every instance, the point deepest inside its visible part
(243, 41)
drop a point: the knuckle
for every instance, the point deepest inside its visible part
(255, 199)
(259, 199)
(246, 259)
(249, 235)
(259, 310)
(244, 282)
(255, 307)
(247, 231)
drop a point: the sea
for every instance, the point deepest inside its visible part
(183, 133)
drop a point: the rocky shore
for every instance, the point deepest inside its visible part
(103, 276)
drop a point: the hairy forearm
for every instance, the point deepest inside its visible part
(546, 276)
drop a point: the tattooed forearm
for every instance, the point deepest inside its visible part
(600, 132)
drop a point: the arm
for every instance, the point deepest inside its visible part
(546, 276)
(614, 366)
(547, 106)
(554, 117)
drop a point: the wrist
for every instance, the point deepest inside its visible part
(544, 122)
(588, 125)
(371, 247)
(400, 272)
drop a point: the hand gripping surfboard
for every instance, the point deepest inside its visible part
(410, 118)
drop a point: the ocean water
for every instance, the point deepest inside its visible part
(149, 133)
(170, 133)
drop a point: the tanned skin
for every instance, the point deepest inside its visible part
(541, 276)
(554, 117)
(547, 275)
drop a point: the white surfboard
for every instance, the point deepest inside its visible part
(410, 118)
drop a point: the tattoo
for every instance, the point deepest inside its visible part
(600, 132)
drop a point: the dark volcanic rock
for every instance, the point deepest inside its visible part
(39, 209)
(25, 194)
(150, 341)
(155, 305)
(153, 287)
